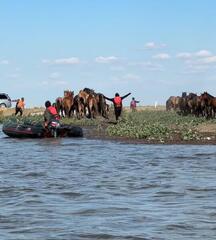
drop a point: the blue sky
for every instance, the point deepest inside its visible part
(153, 49)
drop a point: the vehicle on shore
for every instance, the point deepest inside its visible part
(5, 101)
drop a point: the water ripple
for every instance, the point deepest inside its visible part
(91, 189)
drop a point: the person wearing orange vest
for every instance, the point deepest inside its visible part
(20, 106)
(50, 114)
(117, 102)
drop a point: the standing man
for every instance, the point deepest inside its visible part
(20, 106)
(117, 102)
(133, 104)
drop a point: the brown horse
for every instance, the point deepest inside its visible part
(172, 103)
(194, 104)
(59, 106)
(83, 97)
(102, 106)
(101, 102)
(210, 104)
(92, 106)
(78, 107)
(68, 102)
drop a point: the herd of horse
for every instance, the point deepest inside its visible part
(87, 103)
(203, 105)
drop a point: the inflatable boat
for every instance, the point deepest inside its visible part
(38, 131)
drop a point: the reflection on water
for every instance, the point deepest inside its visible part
(91, 189)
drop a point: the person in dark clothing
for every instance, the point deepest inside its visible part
(117, 102)
(20, 104)
(50, 114)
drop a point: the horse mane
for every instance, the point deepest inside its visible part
(89, 91)
(68, 93)
(209, 95)
(191, 95)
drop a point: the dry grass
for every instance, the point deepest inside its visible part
(147, 107)
(35, 111)
(28, 111)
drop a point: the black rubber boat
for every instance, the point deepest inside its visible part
(38, 131)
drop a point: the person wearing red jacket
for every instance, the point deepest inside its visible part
(117, 102)
(50, 114)
(133, 104)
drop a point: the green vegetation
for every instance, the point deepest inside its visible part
(22, 120)
(157, 126)
(38, 119)
(153, 126)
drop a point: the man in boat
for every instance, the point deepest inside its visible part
(117, 102)
(50, 114)
(20, 106)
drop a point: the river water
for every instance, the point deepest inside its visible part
(91, 189)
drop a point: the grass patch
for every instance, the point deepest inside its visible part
(151, 125)
(157, 125)
(38, 119)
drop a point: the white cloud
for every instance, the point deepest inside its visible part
(72, 60)
(201, 61)
(13, 75)
(148, 65)
(161, 56)
(130, 76)
(62, 61)
(117, 68)
(44, 83)
(197, 62)
(53, 81)
(203, 53)
(110, 59)
(4, 62)
(153, 45)
(126, 78)
(60, 82)
(184, 55)
(208, 60)
(193, 68)
(199, 54)
(45, 61)
(54, 75)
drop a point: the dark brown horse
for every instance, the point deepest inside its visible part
(101, 102)
(101, 105)
(209, 103)
(78, 107)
